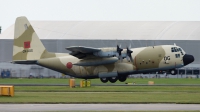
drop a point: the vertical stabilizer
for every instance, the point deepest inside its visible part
(27, 45)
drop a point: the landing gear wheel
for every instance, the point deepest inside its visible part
(104, 80)
(112, 79)
(173, 72)
(122, 78)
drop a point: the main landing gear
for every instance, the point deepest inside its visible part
(104, 80)
(113, 79)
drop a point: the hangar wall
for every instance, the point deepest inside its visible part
(190, 46)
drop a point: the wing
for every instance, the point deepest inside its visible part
(83, 49)
(82, 52)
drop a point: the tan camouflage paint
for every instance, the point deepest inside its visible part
(144, 58)
(27, 34)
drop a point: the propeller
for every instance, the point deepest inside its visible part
(119, 52)
(128, 52)
(127, 55)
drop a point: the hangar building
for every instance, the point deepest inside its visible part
(57, 35)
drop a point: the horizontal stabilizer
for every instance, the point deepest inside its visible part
(25, 62)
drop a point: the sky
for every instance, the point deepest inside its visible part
(99, 10)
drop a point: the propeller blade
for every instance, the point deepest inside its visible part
(129, 54)
(129, 47)
(119, 52)
(119, 48)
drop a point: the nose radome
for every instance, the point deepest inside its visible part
(187, 59)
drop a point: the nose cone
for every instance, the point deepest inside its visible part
(187, 59)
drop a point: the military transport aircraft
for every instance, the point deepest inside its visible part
(108, 64)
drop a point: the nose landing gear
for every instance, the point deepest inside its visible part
(173, 71)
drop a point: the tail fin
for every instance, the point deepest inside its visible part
(27, 45)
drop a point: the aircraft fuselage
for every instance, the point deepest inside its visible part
(145, 59)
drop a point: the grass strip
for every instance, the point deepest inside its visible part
(117, 97)
(189, 89)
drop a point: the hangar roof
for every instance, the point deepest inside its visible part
(133, 30)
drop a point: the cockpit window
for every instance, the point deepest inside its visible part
(175, 49)
(172, 49)
(180, 49)
(182, 53)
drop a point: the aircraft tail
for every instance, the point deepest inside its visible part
(27, 46)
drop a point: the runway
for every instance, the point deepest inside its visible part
(97, 107)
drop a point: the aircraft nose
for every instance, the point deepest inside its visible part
(187, 59)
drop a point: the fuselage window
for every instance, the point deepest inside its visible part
(177, 55)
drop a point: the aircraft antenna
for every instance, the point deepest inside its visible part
(174, 44)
